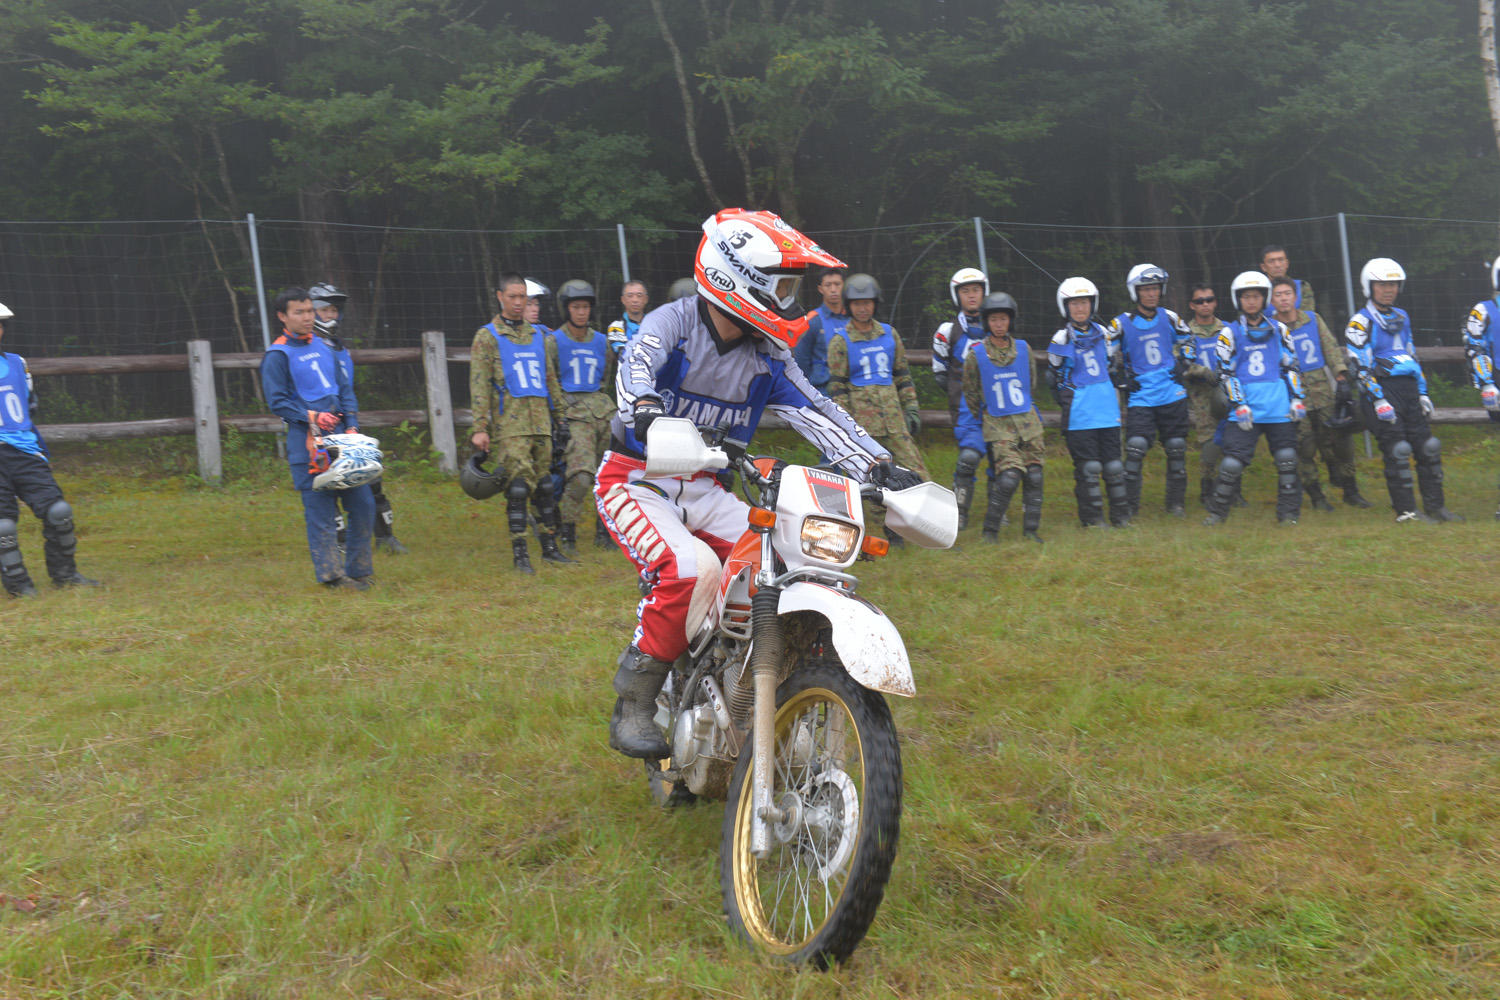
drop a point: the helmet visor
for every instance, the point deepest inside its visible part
(785, 289)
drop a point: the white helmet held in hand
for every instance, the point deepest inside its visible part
(1076, 288)
(750, 266)
(353, 460)
(967, 276)
(1380, 269)
(1145, 274)
(5, 313)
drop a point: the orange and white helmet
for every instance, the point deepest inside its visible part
(751, 264)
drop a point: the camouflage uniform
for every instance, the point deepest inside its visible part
(521, 436)
(1015, 441)
(588, 416)
(1314, 436)
(1201, 383)
(879, 409)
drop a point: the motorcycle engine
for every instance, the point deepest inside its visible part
(700, 750)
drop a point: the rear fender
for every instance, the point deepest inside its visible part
(865, 639)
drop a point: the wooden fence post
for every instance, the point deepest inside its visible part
(439, 399)
(205, 411)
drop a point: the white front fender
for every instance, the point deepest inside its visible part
(868, 644)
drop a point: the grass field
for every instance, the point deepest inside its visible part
(1163, 762)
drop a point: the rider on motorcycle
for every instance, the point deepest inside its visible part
(720, 358)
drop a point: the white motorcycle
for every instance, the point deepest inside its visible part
(776, 705)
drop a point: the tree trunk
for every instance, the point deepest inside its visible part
(689, 115)
(1491, 69)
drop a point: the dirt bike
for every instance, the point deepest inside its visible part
(777, 707)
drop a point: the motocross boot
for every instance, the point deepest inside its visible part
(632, 728)
(521, 556)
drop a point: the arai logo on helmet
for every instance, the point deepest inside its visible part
(719, 279)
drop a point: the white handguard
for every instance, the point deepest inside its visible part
(925, 514)
(675, 448)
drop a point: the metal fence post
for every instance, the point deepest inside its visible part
(205, 411)
(624, 258)
(1349, 295)
(260, 284)
(979, 242)
(439, 399)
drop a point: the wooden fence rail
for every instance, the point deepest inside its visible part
(434, 355)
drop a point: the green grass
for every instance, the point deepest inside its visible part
(1163, 762)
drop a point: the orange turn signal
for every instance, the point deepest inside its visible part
(872, 546)
(760, 517)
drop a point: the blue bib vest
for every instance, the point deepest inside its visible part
(1491, 325)
(314, 371)
(580, 366)
(1006, 388)
(1147, 344)
(1308, 346)
(523, 365)
(15, 397)
(1257, 364)
(1208, 351)
(871, 361)
(1394, 347)
(1095, 403)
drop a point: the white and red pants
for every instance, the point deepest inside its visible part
(654, 521)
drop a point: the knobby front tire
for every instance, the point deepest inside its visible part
(837, 776)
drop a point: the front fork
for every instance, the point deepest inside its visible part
(768, 646)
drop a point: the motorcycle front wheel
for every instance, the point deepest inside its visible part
(837, 784)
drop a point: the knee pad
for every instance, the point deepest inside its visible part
(1114, 469)
(1432, 451)
(1008, 480)
(1092, 470)
(10, 539)
(1231, 468)
(1034, 476)
(1285, 459)
(544, 492)
(1401, 451)
(517, 491)
(968, 462)
(1175, 447)
(59, 516)
(1136, 448)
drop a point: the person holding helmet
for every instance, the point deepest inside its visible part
(535, 293)
(1081, 358)
(26, 476)
(869, 377)
(1258, 366)
(633, 296)
(1482, 346)
(1326, 381)
(1157, 349)
(306, 387)
(823, 324)
(585, 365)
(950, 345)
(515, 395)
(1274, 264)
(1394, 401)
(720, 359)
(997, 384)
(1202, 383)
(328, 310)
(682, 288)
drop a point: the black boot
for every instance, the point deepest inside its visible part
(521, 556)
(567, 535)
(1205, 489)
(1319, 501)
(1031, 503)
(551, 553)
(1002, 489)
(13, 573)
(602, 539)
(632, 728)
(391, 544)
(1352, 497)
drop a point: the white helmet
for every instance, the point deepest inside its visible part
(5, 313)
(535, 289)
(1076, 288)
(750, 265)
(353, 460)
(1494, 275)
(1380, 269)
(1145, 274)
(1248, 280)
(967, 276)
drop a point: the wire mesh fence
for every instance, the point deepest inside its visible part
(100, 288)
